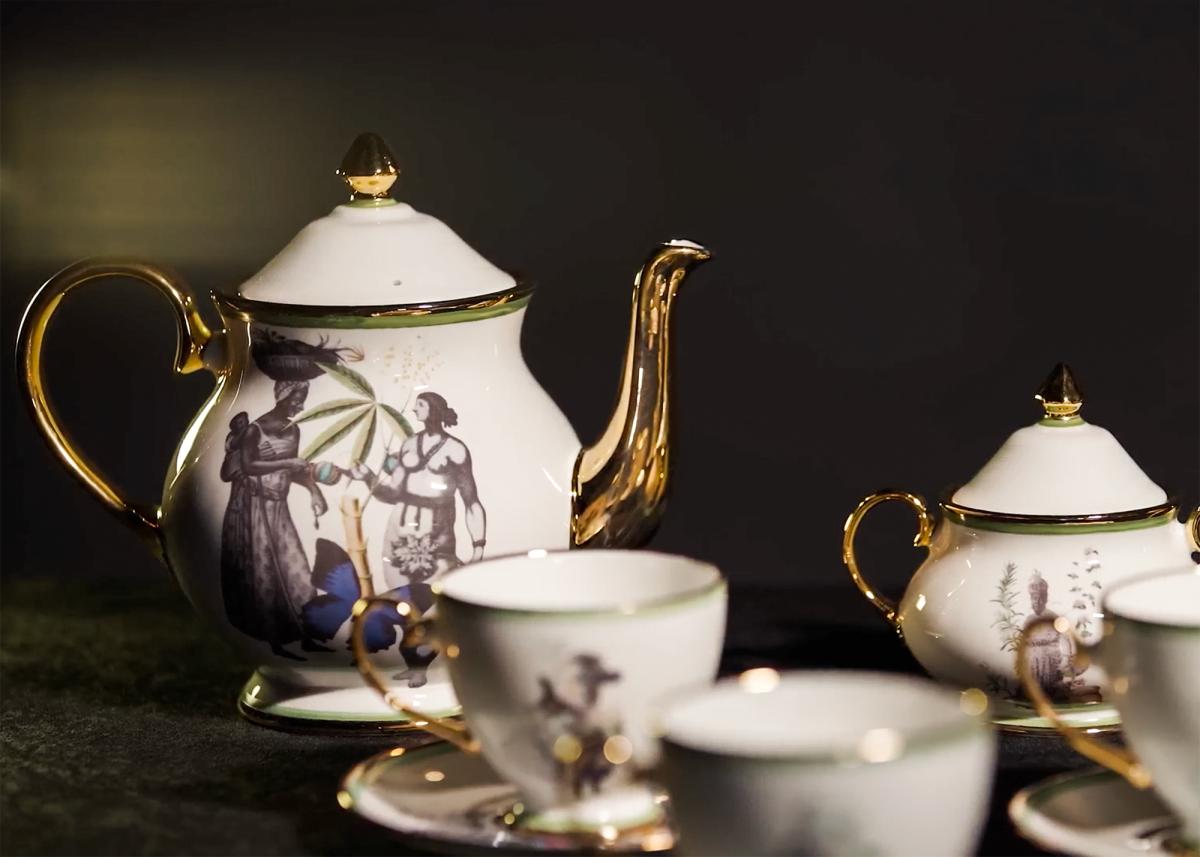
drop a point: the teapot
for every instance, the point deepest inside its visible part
(373, 424)
(1058, 514)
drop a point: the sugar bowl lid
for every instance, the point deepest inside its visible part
(1060, 466)
(374, 250)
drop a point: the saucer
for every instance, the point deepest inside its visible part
(271, 701)
(450, 800)
(1095, 813)
(1020, 717)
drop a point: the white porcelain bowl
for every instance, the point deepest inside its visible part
(827, 763)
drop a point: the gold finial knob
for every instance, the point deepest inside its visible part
(1059, 395)
(369, 168)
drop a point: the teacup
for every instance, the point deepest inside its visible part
(827, 763)
(1150, 656)
(555, 657)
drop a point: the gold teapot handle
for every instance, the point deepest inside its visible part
(922, 540)
(418, 631)
(193, 336)
(1112, 757)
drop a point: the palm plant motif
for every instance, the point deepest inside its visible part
(1008, 617)
(1086, 588)
(363, 412)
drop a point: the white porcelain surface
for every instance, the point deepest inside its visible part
(1060, 470)
(520, 452)
(379, 256)
(271, 699)
(1152, 664)
(450, 801)
(1094, 814)
(827, 763)
(966, 604)
(556, 668)
(1165, 599)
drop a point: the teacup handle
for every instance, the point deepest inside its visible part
(418, 630)
(1112, 757)
(922, 540)
(193, 336)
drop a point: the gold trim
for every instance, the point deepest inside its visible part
(923, 539)
(1106, 518)
(194, 335)
(1060, 396)
(1052, 732)
(369, 168)
(619, 484)
(317, 726)
(1193, 529)
(247, 309)
(1110, 756)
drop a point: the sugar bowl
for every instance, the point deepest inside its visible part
(1058, 514)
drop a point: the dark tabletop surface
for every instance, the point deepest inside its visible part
(120, 735)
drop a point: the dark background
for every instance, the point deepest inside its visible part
(916, 210)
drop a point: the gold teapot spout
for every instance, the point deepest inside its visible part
(620, 482)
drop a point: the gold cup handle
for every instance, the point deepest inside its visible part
(418, 631)
(1114, 758)
(1193, 529)
(922, 540)
(193, 336)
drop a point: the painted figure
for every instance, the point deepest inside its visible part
(265, 574)
(421, 480)
(1049, 651)
(570, 708)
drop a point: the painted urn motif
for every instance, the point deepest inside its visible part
(373, 424)
(1059, 513)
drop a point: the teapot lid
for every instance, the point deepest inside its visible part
(1060, 465)
(374, 250)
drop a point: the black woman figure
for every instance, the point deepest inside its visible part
(265, 575)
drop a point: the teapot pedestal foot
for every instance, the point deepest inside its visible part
(1020, 718)
(271, 701)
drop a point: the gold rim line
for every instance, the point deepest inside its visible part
(448, 730)
(1114, 758)
(922, 539)
(247, 308)
(1160, 511)
(1193, 528)
(193, 336)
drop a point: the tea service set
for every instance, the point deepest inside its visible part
(477, 561)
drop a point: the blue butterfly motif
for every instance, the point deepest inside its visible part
(325, 614)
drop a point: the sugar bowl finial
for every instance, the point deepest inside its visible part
(1059, 395)
(369, 168)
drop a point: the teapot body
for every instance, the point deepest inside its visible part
(363, 450)
(964, 609)
(347, 455)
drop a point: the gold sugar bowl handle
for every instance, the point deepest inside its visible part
(193, 336)
(924, 537)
